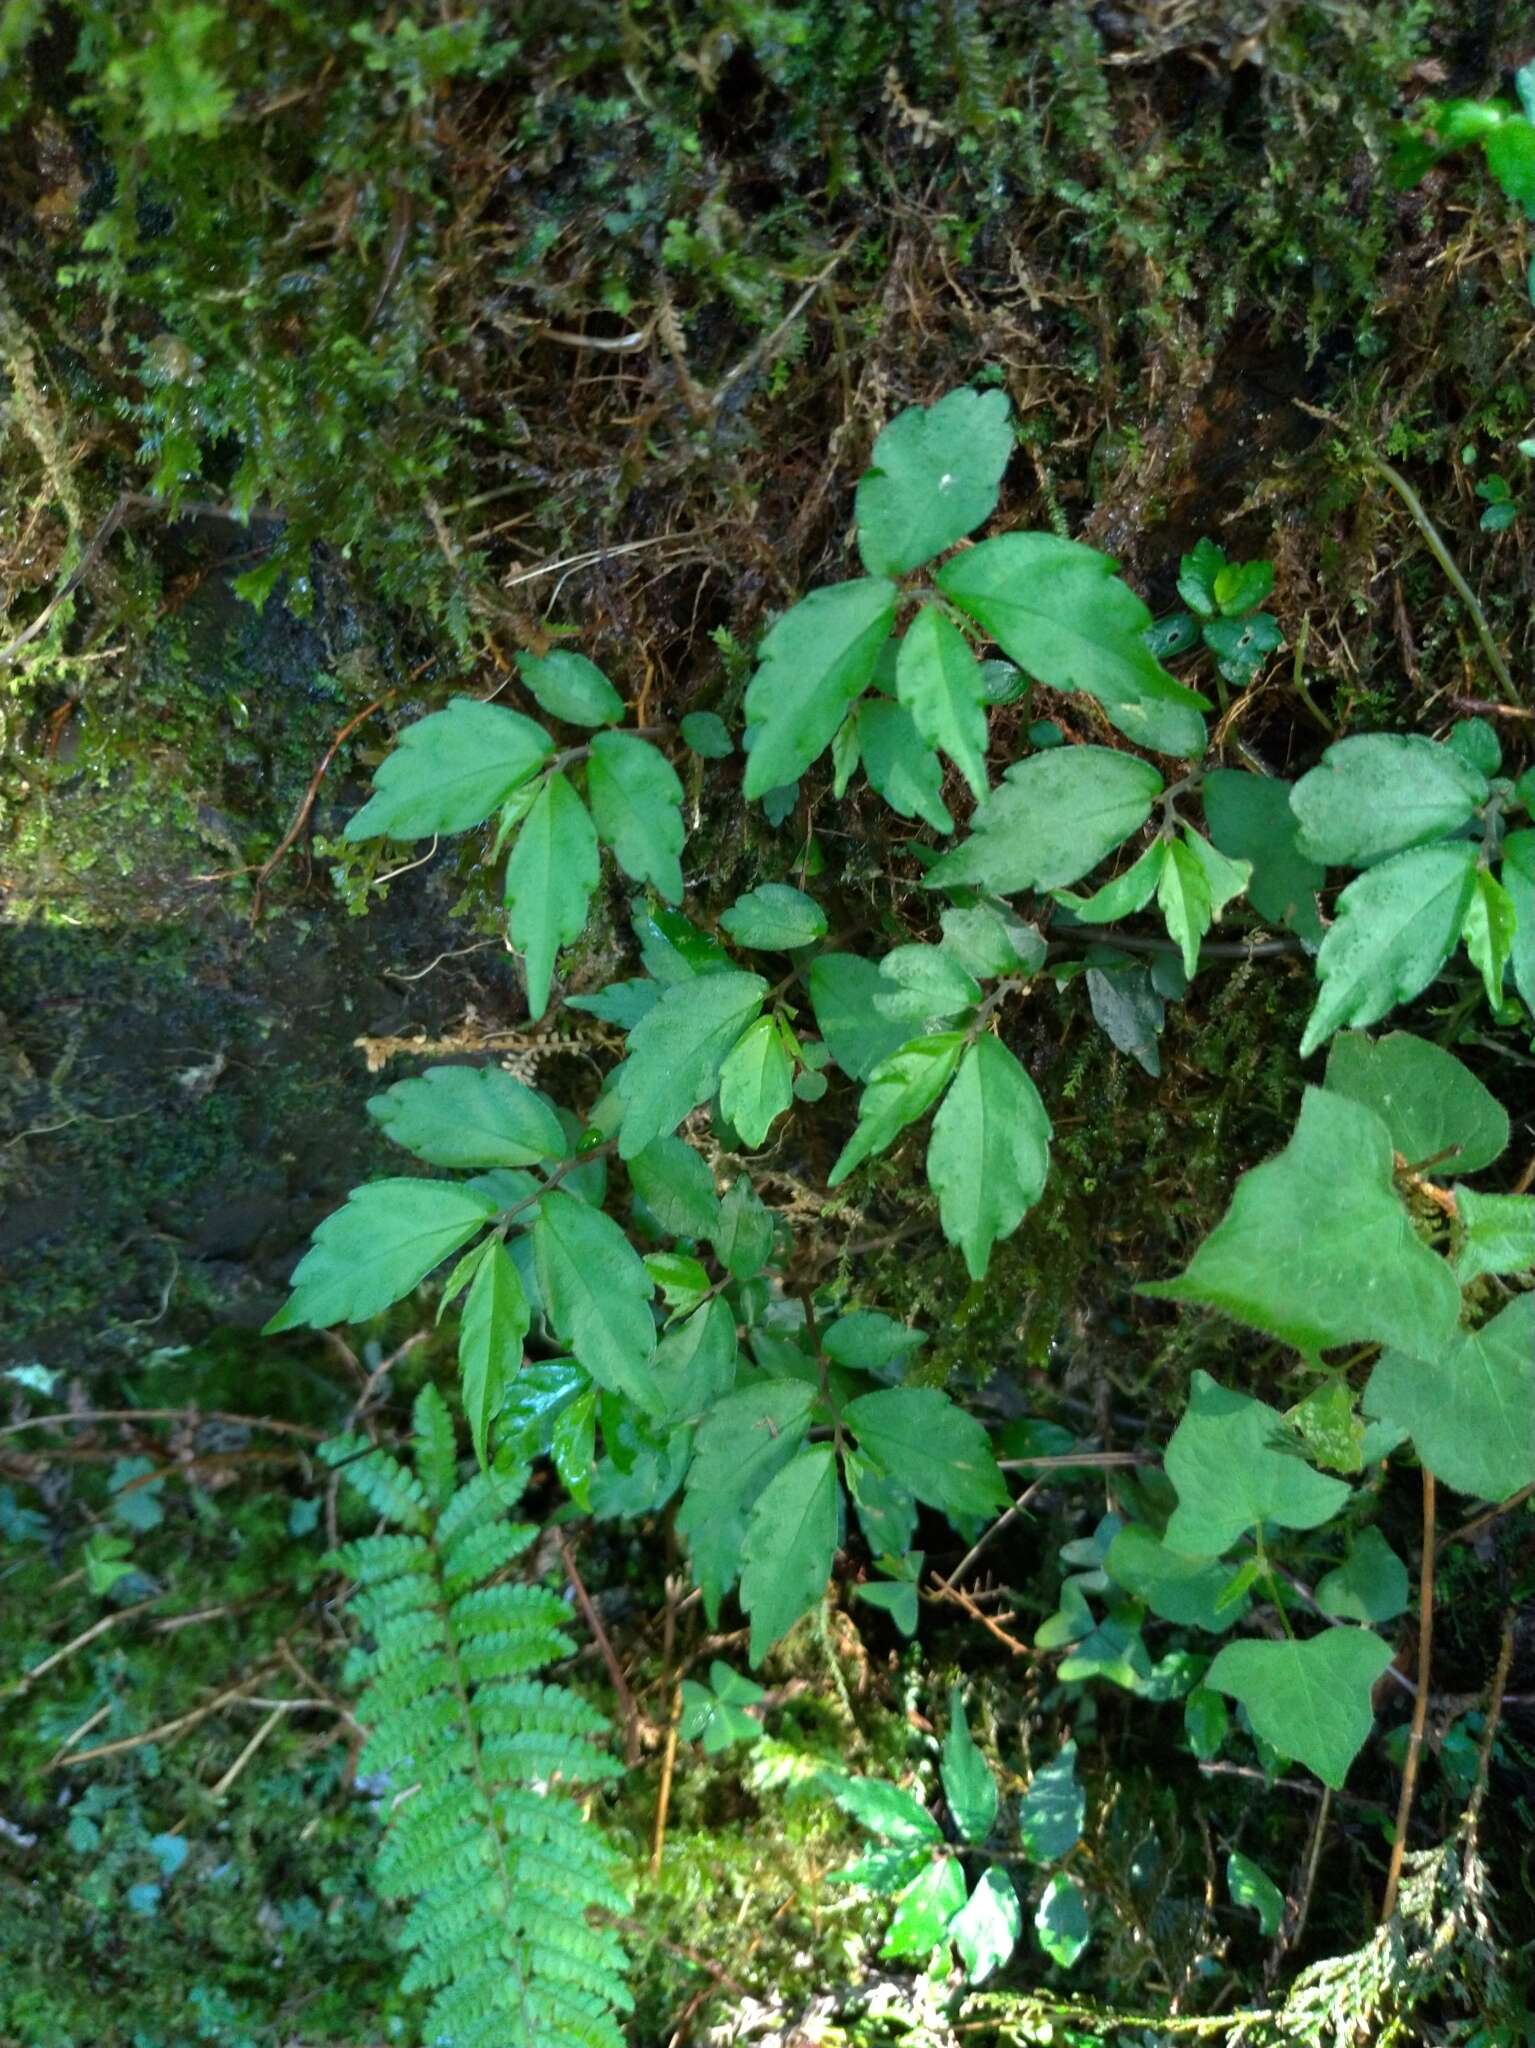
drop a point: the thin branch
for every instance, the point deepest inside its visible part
(301, 815)
(314, 1436)
(1420, 1706)
(1447, 563)
(626, 1700)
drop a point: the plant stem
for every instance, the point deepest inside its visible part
(1447, 563)
(1420, 1706)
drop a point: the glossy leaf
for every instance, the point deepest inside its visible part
(372, 1251)
(636, 803)
(1252, 1887)
(1054, 817)
(676, 1186)
(490, 1334)
(1052, 1811)
(1469, 1404)
(1381, 793)
(551, 872)
(1235, 1465)
(933, 477)
(470, 1117)
(1392, 931)
(884, 1809)
(450, 770)
(1310, 1699)
(987, 1927)
(989, 1151)
(940, 683)
(676, 1052)
(790, 1542)
(814, 663)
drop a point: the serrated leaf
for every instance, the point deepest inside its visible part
(1125, 895)
(1053, 818)
(1498, 1234)
(1392, 931)
(790, 1542)
(743, 1236)
(1242, 586)
(1317, 1247)
(1252, 1887)
(551, 872)
(756, 1081)
(941, 684)
(1518, 878)
(900, 765)
(1381, 793)
(968, 1785)
(932, 1447)
(490, 1334)
(924, 1911)
(1061, 1922)
(450, 770)
(1183, 897)
(570, 687)
(884, 1809)
(636, 803)
(372, 1251)
(989, 1151)
(1370, 1584)
(774, 919)
(933, 477)
(676, 1052)
(706, 734)
(1178, 1585)
(1489, 930)
(900, 1089)
(1311, 1699)
(814, 663)
(1053, 1809)
(987, 1927)
(676, 1186)
(1469, 1405)
(596, 1293)
(469, 1117)
(695, 1362)
(1433, 1107)
(887, 1513)
(842, 989)
(866, 1341)
(1058, 609)
(923, 984)
(1250, 818)
(1235, 1465)
(741, 1443)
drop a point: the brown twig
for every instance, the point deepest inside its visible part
(625, 1698)
(1495, 1698)
(1297, 1911)
(1479, 1522)
(301, 816)
(942, 1590)
(178, 1725)
(1420, 1705)
(98, 1628)
(673, 1726)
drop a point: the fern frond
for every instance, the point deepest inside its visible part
(499, 1868)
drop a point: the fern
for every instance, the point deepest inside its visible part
(500, 1868)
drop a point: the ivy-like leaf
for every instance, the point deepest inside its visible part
(790, 1542)
(1311, 1699)
(570, 687)
(989, 1151)
(1394, 928)
(636, 803)
(490, 1334)
(551, 872)
(1054, 817)
(676, 1052)
(385, 1239)
(814, 663)
(470, 1117)
(596, 1292)
(968, 1785)
(940, 683)
(1236, 1465)
(1370, 1585)
(901, 1089)
(932, 1447)
(1178, 1585)
(1498, 1234)
(1381, 793)
(1058, 609)
(1469, 1404)
(450, 770)
(933, 477)
(756, 1081)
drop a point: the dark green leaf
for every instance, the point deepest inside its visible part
(931, 1446)
(989, 1151)
(790, 1541)
(1251, 1887)
(676, 1052)
(1061, 1922)
(901, 1089)
(491, 1330)
(1250, 818)
(900, 765)
(550, 875)
(676, 1186)
(968, 1785)
(1053, 1809)
(842, 988)
(814, 663)
(596, 1293)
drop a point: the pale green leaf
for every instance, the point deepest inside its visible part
(968, 1785)
(1497, 1234)
(676, 1052)
(1393, 929)
(866, 1341)
(987, 939)
(1061, 1922)
(1310, 1700)
(931, 1446)
(1317, 1247)
(1252, 1887)
(1250, 818)
(884, 1809)
(1058, 609)
(1518, 877)
(987, 1927)
(1370, 1584)
(596, 1293)
(490, 1334)
(814, 663)
(636, 803)
(1469, 1405)
(756, 1081)
(1381, 793)
(900, 765)
(842, 989)
(1183, 897)
(922, 985)
(1053, 1809)
(1434, 1108)
(940, 683)
(450, 770)
(933, 477)
(1490, 928)
(551, 872)
(385, 1239)
(1053, 818)
(790, 1541)
(1236, 1464)
(469, 1117)
(676, 1186)
(774, 919)
(1125, 895)
(925, 1910)
(989, 1151)
(570, 687)
(1225, 879)
(900, 1089)
(1180, 1586)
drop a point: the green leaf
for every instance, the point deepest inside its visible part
(695, 1363)
(596, 1293)
(1127, 1007)
(775, 919)
(1058, 609)
(790, 1542)
(1196, 578)
(491, 1330)
(1205, 1722)
(887, 1513)
(1518, 876)
(682, 1279)
(1061, 1922)
(987, 1927)
(1235, 1465)
(842, 989)
(1477, 744)
(884, 1809)
(900, 1089)
(1468, 1404)
(1125, 895)
(573, 1444)
(1072, 1620)
(922, 1439)
(1510, 152)
(672, 948)
(986, 939)
(741, 1443)
(1317, 1247)
(900, 765)
(743, 1237)
(550, 875)
(676, 1052)
(1381, 793)
(676, 1186)
(940, 683)
(756, 1081)
(1251, 1887)
(933, 477)
(895, 1597)
(989, 1151)
(1243, 586)
(636, 806)
(1194, 887)
(1250, 818)
(1178, 1585)
(468, 1117)
(968, 1785)
(1498, 1234)
(1326, 1425)
(866, 1341)
(814, 663)
(1370, 1585)
(449, 771)
(923, 984)
(716, 1713)
(925, 1909)
(1490, 928)
(1054, 817)
(1433, 1107)
(1241, 646)
(1053, 1809)
(1311, 1699)
(706, 735)
(570, 687)
(385, 1240)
